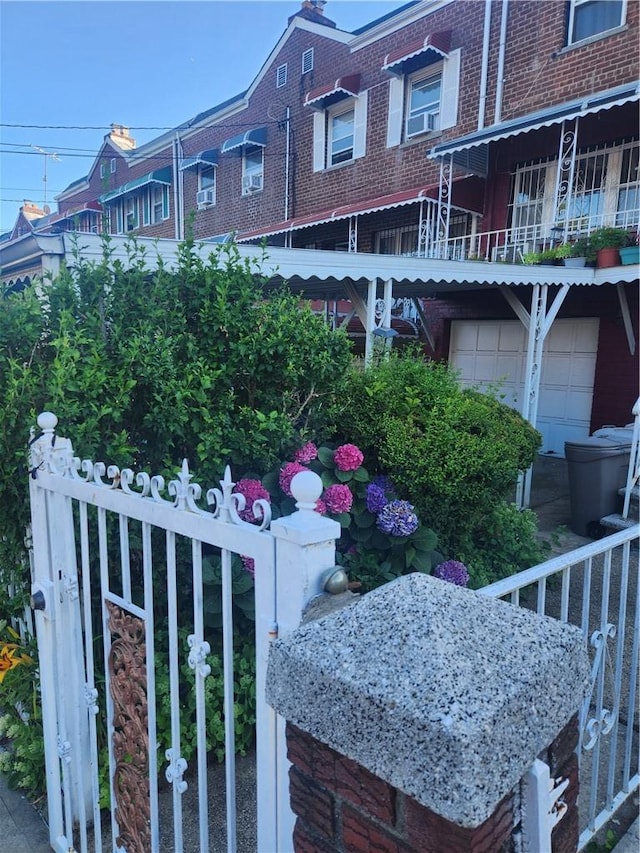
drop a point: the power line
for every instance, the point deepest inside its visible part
(182, 126)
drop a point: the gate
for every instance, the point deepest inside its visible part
(596, 587)
(122, 653)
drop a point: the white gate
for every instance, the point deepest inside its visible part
(106, 630)
(596, 587)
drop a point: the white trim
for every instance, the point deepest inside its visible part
(570, 42)
(360, 125)
(397, 22)
(307, 61)
(450, 90)
(395, 111)
(319, 139)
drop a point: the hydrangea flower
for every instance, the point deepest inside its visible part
(338, 498)
(348, 457)
(307, 453)
(376, 498)
(453, 571)
(397, 518)
(385, 483)
(287, 474)
(249, 565)
(321, 507)
(252, 490)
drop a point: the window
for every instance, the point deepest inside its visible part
(307, 61)
(628, 209)
(340, 137)
(252, 169)
(425, 101)
(423, 104)
(126, 215)
(112, 165)
(340, 132)
(103, 171)
(206, 196)
(281, 76)
(155, 204)
(397, 241)
(590, 17)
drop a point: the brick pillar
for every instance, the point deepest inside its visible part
(414, 715)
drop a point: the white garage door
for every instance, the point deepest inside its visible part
(493, 355)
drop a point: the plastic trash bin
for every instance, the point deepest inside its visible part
(597, 469)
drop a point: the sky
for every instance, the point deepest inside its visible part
(68, 70)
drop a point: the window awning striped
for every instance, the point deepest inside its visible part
(202, 158)
(414, 55)
(158, 176)
(323, 96)
(541, 118)
(73, 212)
(255, 136)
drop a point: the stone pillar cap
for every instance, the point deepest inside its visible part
(444, 693)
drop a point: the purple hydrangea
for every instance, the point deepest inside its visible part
(287, 473)
(385, 483)
(338, 498)
(453, 571)
(249, 565)
(376, 498)
(398, 518)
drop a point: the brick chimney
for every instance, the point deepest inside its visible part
(121, 136)
(313, 10)
(31, 211)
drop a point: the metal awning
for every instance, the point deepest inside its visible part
(414, 55)
(323, 96)
(202, 158)
(158, 176)
(541, 118)
(73, 212)
(371, 205)
(256, 136)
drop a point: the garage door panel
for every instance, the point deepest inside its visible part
(567, 377)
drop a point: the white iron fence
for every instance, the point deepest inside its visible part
(596, 587)
(122, 589)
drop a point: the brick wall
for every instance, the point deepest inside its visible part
(343, 808)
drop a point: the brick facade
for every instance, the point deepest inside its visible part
(342, 808)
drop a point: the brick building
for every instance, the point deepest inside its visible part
(447, 130)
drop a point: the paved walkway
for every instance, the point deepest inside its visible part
(21, 828)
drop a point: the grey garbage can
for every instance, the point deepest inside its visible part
(597, 469)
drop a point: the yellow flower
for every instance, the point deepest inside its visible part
(10, 659)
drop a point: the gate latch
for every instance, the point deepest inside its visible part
(42, 597)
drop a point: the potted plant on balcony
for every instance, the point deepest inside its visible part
(578, 252)
(606, 243)
(631, 254)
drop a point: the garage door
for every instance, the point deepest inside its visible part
(492, 355)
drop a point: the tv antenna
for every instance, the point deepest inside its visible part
(46, 154)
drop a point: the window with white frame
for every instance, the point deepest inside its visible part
(206, 196)
(340, 132)
(112, 165)
(423, 102)
(103, 171)
(126, 214)
(281, 76)
(424, 92)
(605, 191)
(252, 169)
(589, 18)
(307, 61)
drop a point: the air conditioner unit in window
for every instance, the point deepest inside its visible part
(422, 123)
(251, 183)
(204, 198)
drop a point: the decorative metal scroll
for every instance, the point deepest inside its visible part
(565, 178)
(601, 724)
(128, 687)
(55, 455)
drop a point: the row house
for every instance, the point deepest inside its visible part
(470, 133)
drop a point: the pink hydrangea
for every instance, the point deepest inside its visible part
(307, 453)
(249, 565)
(287, 474)
(338, 498)
(252, 490)
(348, 457)
(321, 507)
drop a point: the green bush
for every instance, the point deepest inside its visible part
(453, 453)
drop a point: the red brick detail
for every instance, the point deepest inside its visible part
(312, 803)
(430, 833)
(360, 835)
(306, 842)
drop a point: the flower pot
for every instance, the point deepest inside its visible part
(630, 255)
(608, 257)
(575, 262)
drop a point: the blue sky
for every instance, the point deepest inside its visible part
(76, 67)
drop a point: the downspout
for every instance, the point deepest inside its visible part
(501, 52)
(482, 102)
(287, 157)
(177, 188)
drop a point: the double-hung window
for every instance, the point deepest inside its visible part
(252, 169)
(423, 103)
(155, 204)
(340, 136)
(589, 18)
